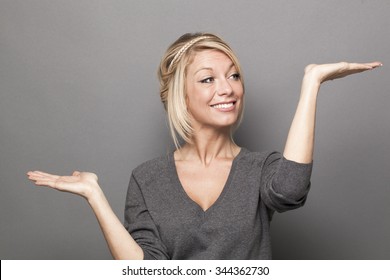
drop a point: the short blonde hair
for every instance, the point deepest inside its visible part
(172, 76)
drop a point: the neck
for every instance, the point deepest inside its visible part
(208, 145)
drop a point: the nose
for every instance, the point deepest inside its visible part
(224, 87)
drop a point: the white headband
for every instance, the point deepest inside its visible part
(185, 48)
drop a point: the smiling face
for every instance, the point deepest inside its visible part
(214, 91)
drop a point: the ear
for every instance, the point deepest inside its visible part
(187, 101)
(186, 96)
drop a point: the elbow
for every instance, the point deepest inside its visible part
(295, 193)
(287, 199)
(288, 187)
(292, 180)
(136, 254)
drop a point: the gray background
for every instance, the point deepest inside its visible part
(79, 92)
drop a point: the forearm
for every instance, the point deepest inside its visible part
(300, 141)
(119, 241)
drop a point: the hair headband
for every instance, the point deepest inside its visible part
(183, 49)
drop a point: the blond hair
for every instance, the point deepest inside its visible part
(172, 76)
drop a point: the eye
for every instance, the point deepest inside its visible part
(235, 76)
(207, 80)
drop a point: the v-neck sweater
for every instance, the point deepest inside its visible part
(167, 224)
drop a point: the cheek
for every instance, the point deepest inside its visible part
(197, 105)
(240, 90)
(199, 98)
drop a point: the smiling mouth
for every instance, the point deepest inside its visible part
(223, 105)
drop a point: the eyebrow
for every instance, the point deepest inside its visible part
(211, 69)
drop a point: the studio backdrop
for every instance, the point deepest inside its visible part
(79, 91)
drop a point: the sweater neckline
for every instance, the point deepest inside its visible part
(179, 187)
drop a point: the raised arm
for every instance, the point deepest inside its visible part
(300, 141)
(120, 242)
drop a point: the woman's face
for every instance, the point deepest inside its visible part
(214, 90)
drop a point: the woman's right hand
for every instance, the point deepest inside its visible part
(84, 184)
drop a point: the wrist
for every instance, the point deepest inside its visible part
(313, 74)
(310, 86)
(311, 78)
(94, 195)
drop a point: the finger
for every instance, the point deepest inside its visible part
(375, 64)
(361, 66)
(369, 65)
(34, 178)
(76, 173)
(48, 183)
(43, 174)
(39, 177)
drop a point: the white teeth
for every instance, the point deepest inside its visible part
(223, 106)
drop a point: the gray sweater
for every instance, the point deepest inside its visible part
(167, 224)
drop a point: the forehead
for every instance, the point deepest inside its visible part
(209, 59)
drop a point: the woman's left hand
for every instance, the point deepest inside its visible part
(325, 72)
(300, 140)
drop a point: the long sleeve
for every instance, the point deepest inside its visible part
(140, 225)
(284, 183)
(167, 224)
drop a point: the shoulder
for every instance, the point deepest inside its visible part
(151, 169)
(258, 158)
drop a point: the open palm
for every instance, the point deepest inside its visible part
(331, 71)
(81, 183)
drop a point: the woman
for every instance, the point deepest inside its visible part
(209, 199)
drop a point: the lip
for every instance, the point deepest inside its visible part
(225, 102)
(225, 109)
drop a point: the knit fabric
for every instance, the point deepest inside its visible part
(167, 224)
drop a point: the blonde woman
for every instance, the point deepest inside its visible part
(210, 198)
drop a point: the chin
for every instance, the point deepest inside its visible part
(225, 125)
